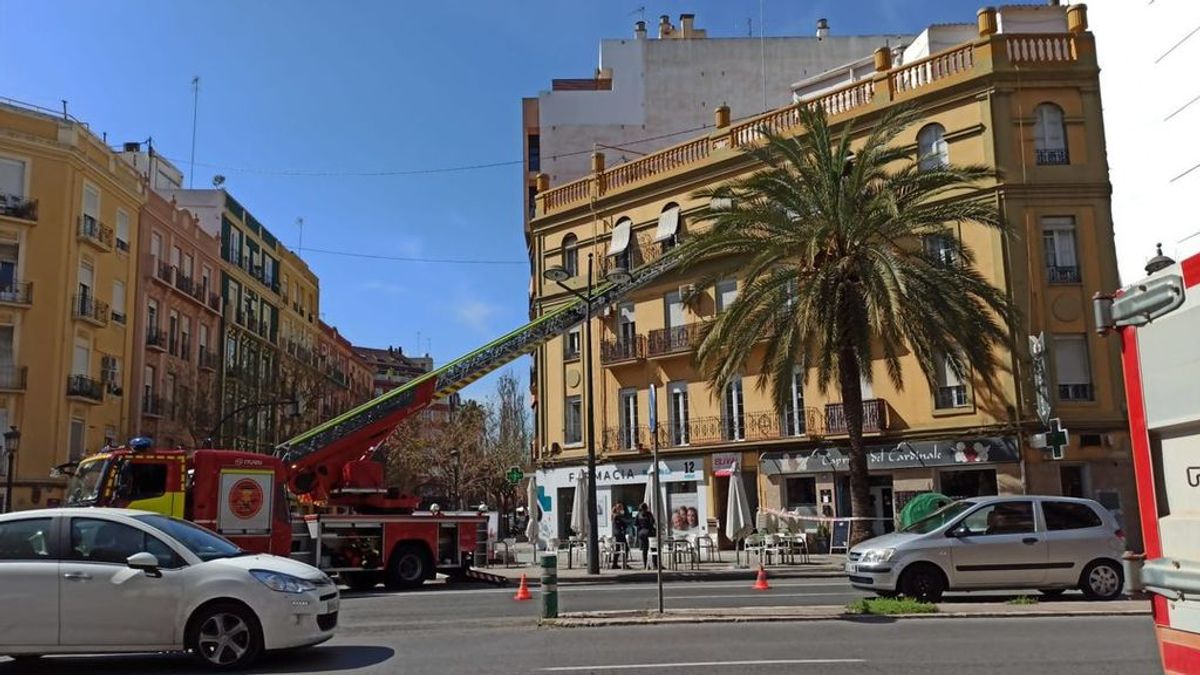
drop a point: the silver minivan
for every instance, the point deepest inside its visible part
(1011, 542)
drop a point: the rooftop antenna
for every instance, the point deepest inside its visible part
(300, 244)
(641, 12)
(195, 110)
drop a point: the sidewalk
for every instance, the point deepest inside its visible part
(723, 569)
(946, 610)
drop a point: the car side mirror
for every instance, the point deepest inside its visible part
(145, 562)
(958, 531)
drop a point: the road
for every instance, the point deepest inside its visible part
(482, 630)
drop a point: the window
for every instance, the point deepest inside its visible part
(726, 293)
(667, 233)
(622, 245)
(144, 480)
(12, 177)
(968, 483)
(628, 409)
(122, 231)
(942, 248)
(951, 391)
(535, 152)
(156, 245)
(110, 373)
(205, 278)
(185, 338)
(570, 255)
(173, 332)
(626, 324)
(169, 392)
(186, 265)
(91, 204)
(81, 358)
(1071, 480)
(149, 381)
(1069, 516)
(571, 344)
(573, 435)
(677, 414)
(801, 493)
(76, 440)
(86, 275)
(734, 412)
(27, 539)
(118, 301)
(1058, 240)
(932, 151)
(102, 541)
(9, 255)
(795, 421)
(1000, 518)
(235, 246)
(1073, 368)
(152, 316)
(1049, 135)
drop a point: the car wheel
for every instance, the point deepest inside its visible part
(408, 567)
(1101, 580)
(225, 636)
(361, 581)
(1052, 592)
(923, 582)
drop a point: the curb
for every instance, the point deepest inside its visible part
(598, 621)
(731, 575)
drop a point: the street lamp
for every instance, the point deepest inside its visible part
(617, 275)
(12, 441)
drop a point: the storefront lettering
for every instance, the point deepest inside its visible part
(918, 454)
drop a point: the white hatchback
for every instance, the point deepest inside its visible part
(118, 580)
(1008, 542)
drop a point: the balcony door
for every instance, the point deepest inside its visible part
(81, 358)
(86, 283)
(9, 254)
(677, 414)
(626, 325)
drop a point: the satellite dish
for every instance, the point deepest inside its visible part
(218, 180)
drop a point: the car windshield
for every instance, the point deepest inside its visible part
(205, 544)
(85, 485)
(938, 518)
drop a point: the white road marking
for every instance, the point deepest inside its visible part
(701, 664)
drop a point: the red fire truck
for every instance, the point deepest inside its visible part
(1158, 321)
(362, 530)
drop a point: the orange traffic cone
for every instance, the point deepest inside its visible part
(761, 584)
(523, 591)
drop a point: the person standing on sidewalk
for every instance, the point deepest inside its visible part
(645, 528)
(620, 523)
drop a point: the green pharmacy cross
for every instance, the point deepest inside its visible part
(1057, 439)
(514, 475)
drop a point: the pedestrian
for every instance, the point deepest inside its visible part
(620, 523)
(645, 527)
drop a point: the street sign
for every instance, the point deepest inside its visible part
(1041, 384)
(514, 475)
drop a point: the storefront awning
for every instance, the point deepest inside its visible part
(620, 237)
(902, 455)
(668, 224)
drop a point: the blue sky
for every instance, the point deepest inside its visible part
(344, 87)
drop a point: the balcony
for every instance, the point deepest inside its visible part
(1051, 157)
(874, 414)
(753, 427)
(156, 339)
(152, 405)
(623, 350)
(164, 272)
(675, 340)
(208, 359)
(19, 293)
(86, 308)
(1063, 275)
(84, 388)
(184, 283)
(94, 232)
(214, 301)
(12, 206)
(12, 378)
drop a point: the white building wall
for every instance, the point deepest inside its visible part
(1148, 54)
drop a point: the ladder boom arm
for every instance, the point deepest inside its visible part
(315, 458)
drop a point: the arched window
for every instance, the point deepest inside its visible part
(1049, 135)
(932, 151)
(667, 234)
(570, 254)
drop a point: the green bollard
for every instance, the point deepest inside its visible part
(549, 589)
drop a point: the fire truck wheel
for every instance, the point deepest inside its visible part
(361, 581)
(408, 567)
(225, 635)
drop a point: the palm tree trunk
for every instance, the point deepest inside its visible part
(860, 499)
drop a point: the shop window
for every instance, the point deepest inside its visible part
(683, 505)
(801, 493)
(968, 483)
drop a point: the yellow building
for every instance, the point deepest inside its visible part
(1026, 103)
(300, 341)
(68, 221)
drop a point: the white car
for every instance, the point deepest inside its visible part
(1010, 542)
(80, 580)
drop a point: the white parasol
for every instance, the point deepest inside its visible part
(738, 519)
(534, 512)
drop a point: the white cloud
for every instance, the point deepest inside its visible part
(474, 313)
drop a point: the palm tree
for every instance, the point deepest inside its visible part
(829, 243)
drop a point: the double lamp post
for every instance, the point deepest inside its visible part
(560, 275)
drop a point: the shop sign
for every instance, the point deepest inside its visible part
(903, 455)
(623, 473)
(722, 462)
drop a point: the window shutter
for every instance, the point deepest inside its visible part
(1071, 359)
(12, 177)
(668, 224)
(620, 237)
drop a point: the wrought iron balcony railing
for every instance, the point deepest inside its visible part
(874, 413)
(619, 350)
(82, 386)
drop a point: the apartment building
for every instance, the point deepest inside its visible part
(68, 224)
(1017, 91)
(391, 367)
